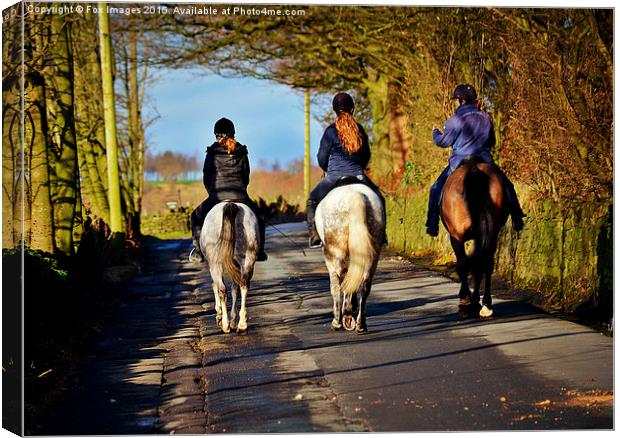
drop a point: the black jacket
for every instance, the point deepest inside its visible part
(334, 160)
(226, 175)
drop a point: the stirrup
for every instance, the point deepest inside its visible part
(195, 256)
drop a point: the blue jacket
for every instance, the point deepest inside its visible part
(335, 160)
(470, 132)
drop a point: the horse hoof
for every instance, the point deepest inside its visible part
(242, 332)
(348, 322)
(336, 327)
(485, 312)
(361, 330)
(226, 329)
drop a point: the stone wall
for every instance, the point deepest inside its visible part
(169, 222)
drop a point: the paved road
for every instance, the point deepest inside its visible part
(164, 367)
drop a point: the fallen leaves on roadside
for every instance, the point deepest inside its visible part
(527, 417)
(595, 397)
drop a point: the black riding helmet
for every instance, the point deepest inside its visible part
(224, 127)
(343, 102)
(465, 92)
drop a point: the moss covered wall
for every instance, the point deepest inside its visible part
(565, 253)
(170, 222)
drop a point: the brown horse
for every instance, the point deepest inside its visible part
(474, 207)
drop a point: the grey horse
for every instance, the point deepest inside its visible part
(229, 240)
(351, 222)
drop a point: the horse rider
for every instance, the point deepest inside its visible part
(470, 133)
(344, 152)
(226, 175)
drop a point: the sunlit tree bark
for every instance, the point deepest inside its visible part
(37, 181)
(114, 193)
(64, 182)
(12, 148)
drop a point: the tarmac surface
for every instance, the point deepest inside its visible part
(163, 366)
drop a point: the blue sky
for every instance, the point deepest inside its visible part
(268, 117)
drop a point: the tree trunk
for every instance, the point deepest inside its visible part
(12, 148)
(400, 134)
(136, 140)
(63, 148)
(35, 134)
(114, 192)
(307, 147)
(377, 93)
(89, 121)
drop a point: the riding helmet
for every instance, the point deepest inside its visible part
(465, 92)
(224, 127)
(343, 102)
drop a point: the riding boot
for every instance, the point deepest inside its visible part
(262, 255)
(385, 239)
(432, 218)
(195, 254)
(314, 241)
(516, 213)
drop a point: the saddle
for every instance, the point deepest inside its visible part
(348, 180)
(470, 161)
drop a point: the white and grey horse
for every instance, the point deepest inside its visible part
(350, 221)
(229, 239)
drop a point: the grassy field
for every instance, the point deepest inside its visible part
(263, 184)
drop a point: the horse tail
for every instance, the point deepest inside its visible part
(225, 247)
(361, 249)
(480, 210)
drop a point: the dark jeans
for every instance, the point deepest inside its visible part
(432, 220)
(198, 216)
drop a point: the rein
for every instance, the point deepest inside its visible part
(292, 241)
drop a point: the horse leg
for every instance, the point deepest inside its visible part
(334, 287)
(347, 312)
(486, 311)
(362, 296)
(363, 300)
(233, 308)
(221, 303)
(217, 284)
(346, 302)
(462, 271)
(243, 316)
(475, 296)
